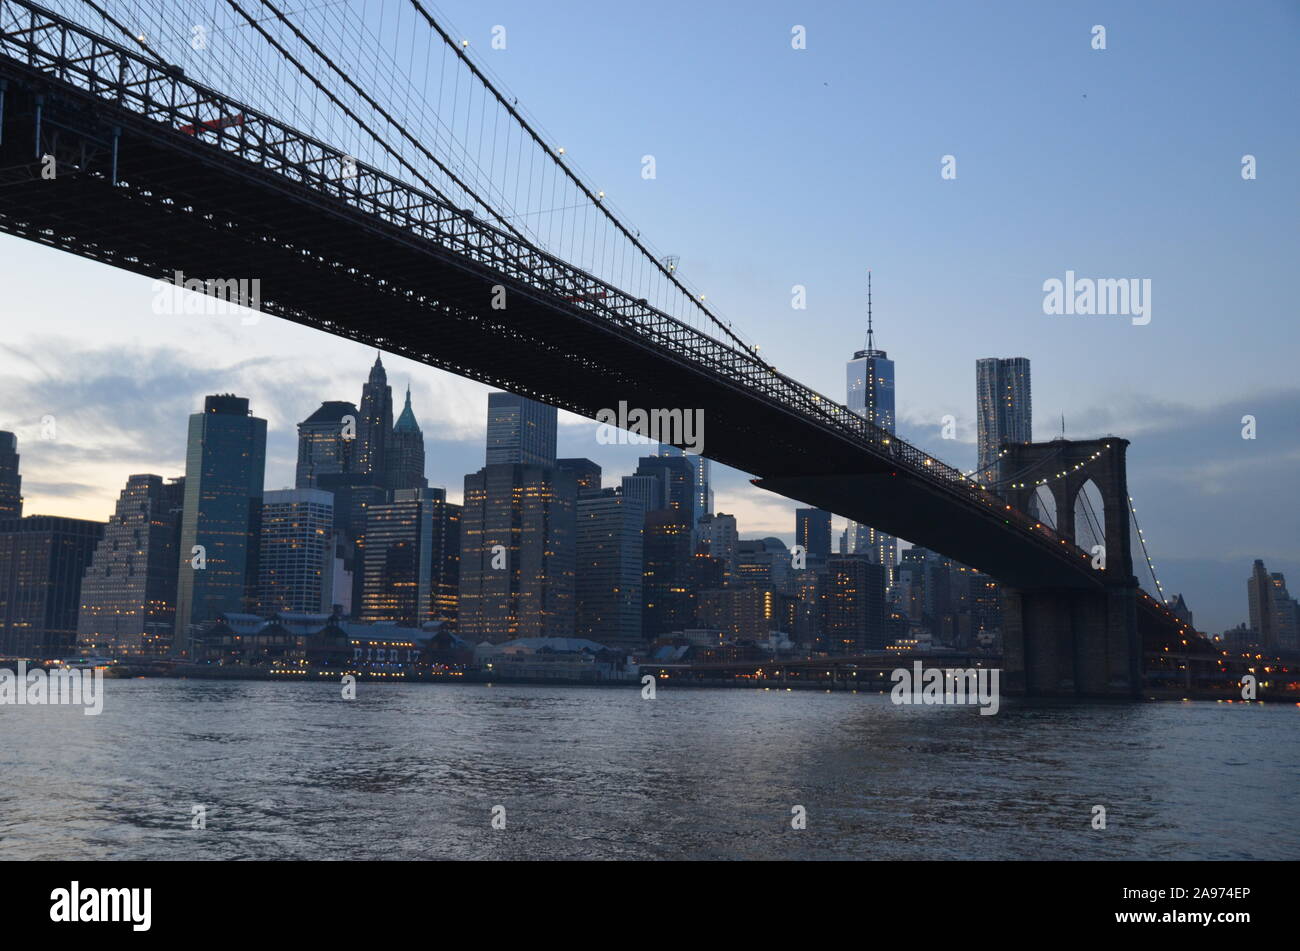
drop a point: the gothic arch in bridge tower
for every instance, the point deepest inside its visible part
(1089, 520)
(1063, 467)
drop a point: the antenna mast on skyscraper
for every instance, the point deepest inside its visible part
(870, 341)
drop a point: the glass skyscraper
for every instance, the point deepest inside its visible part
(703, 491)
(870, 384)
(520, 431)
(225, 465)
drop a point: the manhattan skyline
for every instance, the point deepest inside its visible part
(1139, 177)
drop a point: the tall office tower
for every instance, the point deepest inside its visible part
(1005, 410)
(225, 465)
(518, 553)
(128, 594)
(42, 561)
(609, 565)
(703, 489)
(812, 530)
(326, 443)
(717, 535)
(520, 431)
(650, 490)
(1286, 614)
(1288, 624)
(678, 473)
(703, 501)
(586, 474)
(666, 564)
(11, 483)
(855, 619)
(296, 560)
(412, 559)
(375, 425)
(1273, 612)
(406, 451)
(1259, 596)
(870, 380)
(808, 586)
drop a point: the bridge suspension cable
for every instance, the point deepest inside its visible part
(401, 74)
(372, 103)
(1146, 554)
(596, 202)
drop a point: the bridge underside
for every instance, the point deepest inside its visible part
(182, 205)
(923, 515)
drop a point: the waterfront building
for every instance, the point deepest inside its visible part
(296, 560)
(42, 561)
(128, 594)
(225, 465)
(518, 553)
(412, 559)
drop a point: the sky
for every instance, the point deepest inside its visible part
(779, 167)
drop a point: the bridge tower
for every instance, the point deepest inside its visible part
(1075, 642)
